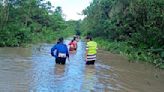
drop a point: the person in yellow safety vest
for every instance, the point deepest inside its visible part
(91, 51)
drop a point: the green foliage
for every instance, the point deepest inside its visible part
(133, 26)
(13, 35)
(132, 53)
(30, 21)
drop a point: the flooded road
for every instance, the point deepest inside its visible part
(34, 70)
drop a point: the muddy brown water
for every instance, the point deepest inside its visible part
(34, 70)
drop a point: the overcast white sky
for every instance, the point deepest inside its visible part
(71, 8)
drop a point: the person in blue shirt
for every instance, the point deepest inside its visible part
(60, 52)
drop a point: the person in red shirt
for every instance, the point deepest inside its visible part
(73, 45)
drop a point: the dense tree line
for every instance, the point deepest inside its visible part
(25, 21)
(139, 23)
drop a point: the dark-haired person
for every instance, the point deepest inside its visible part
(91, 51)
(78, 36)
(72, 46)
(61, 52)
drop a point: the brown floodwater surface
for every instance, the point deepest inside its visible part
(34, 70)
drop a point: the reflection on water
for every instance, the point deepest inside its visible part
(34, 70)
(89, 79)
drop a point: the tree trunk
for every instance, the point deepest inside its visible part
(4, 14)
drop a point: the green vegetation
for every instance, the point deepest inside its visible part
(132, 27)
(134, 54)
(30, 21)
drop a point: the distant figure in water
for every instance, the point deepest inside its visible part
(91, 51)
(60, 52)
(78, 35)
(73, 45)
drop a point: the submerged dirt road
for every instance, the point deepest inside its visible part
(34, 70)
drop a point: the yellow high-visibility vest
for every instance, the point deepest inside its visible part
(91, 47)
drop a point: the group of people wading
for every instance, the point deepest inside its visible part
(61, 52)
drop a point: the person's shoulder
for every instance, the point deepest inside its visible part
(59, 44)
(64, 44)
(55, 45)
(94, 42)
(91, 42)
(75, 41)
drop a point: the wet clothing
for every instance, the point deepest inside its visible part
(91, 57)
(73, 46)
(60, 60)
(75, 42)
(60, 49)
(90, 62)
(91, 47)
(92, 50)
(60, 52)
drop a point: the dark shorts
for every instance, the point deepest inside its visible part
(90, 62)
(60, 60)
